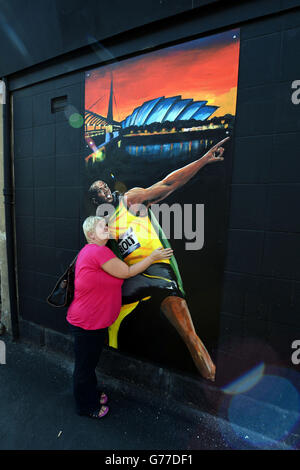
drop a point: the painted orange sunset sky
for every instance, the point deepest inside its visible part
(203, 69)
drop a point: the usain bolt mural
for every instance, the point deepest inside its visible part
(158, 131)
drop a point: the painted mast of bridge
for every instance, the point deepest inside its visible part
(110, 135)
(110, 103)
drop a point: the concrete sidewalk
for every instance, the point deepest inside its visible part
(37, 412)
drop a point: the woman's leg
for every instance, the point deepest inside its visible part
(88, 345)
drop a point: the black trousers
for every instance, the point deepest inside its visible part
(88, 345)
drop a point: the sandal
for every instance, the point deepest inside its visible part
(99, 413)
(103, 399)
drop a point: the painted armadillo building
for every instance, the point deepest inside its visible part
(155, 111)
(168, 109)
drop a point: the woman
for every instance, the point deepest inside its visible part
(99, 276)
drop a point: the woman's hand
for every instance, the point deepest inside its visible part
(161, 253)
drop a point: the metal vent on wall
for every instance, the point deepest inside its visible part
(58, 104)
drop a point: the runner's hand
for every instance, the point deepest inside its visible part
(161, 253)
(215, 154)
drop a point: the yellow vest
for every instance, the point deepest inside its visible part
(135, 235)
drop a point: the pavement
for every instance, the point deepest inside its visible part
(37, 413)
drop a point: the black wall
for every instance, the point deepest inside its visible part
(33, 31)
(48, 192)
(261, 300)
(261, 296)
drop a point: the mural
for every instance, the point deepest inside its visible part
(158, 148)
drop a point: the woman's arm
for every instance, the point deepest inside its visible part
(117, 268)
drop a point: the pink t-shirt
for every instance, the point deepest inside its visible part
(97, 298)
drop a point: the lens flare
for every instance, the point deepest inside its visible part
(14, 37)
(268, 410)
(246, 382)
(69, 110)
(76, 120)
(121, 187)
(100, 155)
(99, 49)
(74, 117)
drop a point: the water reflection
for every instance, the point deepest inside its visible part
(169, 150)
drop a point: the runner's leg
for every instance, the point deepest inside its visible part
(177, 312)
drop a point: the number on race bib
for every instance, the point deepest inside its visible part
(128, 242)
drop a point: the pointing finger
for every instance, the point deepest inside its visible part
(221, 142)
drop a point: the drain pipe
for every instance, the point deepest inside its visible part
(9, 204)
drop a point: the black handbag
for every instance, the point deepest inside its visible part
(63, 291)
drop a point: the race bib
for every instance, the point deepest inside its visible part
(128, 242)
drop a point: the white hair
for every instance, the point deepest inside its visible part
(89, 225)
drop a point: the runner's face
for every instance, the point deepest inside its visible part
(104, 192)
